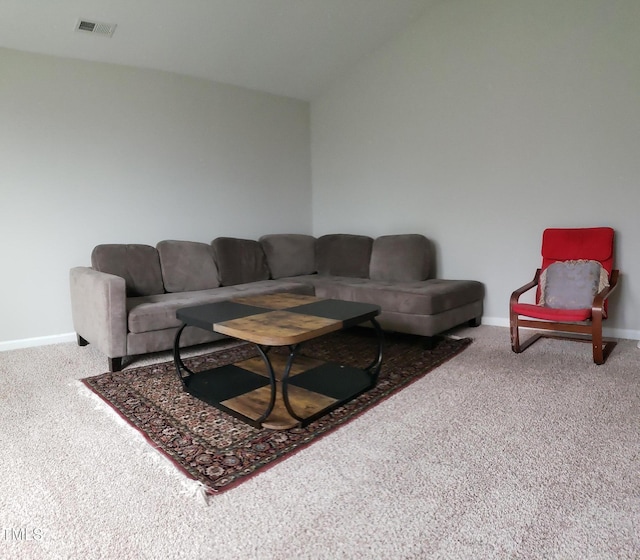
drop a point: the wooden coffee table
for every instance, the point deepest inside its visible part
(275, 390)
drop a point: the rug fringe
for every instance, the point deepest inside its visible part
(191, 487)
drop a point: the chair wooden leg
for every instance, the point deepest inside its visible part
(596, 336)
(607, 347)
(598, 354)
(529, 341)
(515, 335)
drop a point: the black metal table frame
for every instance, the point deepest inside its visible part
(372, 370)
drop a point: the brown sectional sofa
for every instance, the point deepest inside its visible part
(126, 302)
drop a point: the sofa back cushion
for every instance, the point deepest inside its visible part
(239, 260)
(139, 265)
(400, 258)
(342, 254)
(187, 266)
(289, 254)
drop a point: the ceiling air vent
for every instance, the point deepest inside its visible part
(97, 28)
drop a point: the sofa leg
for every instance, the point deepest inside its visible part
(81, 341)
(115, 364)
(475, 322)
(430, 342)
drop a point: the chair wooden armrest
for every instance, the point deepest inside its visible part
(515, 296)
(600, 297)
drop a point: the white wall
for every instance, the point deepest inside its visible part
(481, 125)
(95, 153)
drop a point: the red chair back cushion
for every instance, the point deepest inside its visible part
(572, 244)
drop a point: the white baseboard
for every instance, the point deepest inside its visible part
(626, 334)
(495, 321)
(38, 341)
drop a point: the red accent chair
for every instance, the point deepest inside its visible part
(570, 247)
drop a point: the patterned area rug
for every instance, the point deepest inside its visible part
(220, 451)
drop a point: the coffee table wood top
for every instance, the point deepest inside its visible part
(278, 319)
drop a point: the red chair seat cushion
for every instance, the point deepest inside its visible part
(549, 314)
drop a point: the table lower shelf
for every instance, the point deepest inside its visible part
(314, 388)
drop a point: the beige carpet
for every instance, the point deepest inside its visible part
(492, 455)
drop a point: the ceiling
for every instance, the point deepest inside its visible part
(286, 47)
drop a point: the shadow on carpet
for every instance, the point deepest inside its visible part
(220, 451)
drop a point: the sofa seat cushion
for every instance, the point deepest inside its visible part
(151, 313)
(429, 297)
(319, 280)
(187, 266)
(157, 312)
(271, 287)
(289, 254)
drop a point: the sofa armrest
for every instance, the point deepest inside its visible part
(99, 309)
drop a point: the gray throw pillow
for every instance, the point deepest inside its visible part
(572, 284)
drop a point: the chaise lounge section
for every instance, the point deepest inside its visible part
(125, 303)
